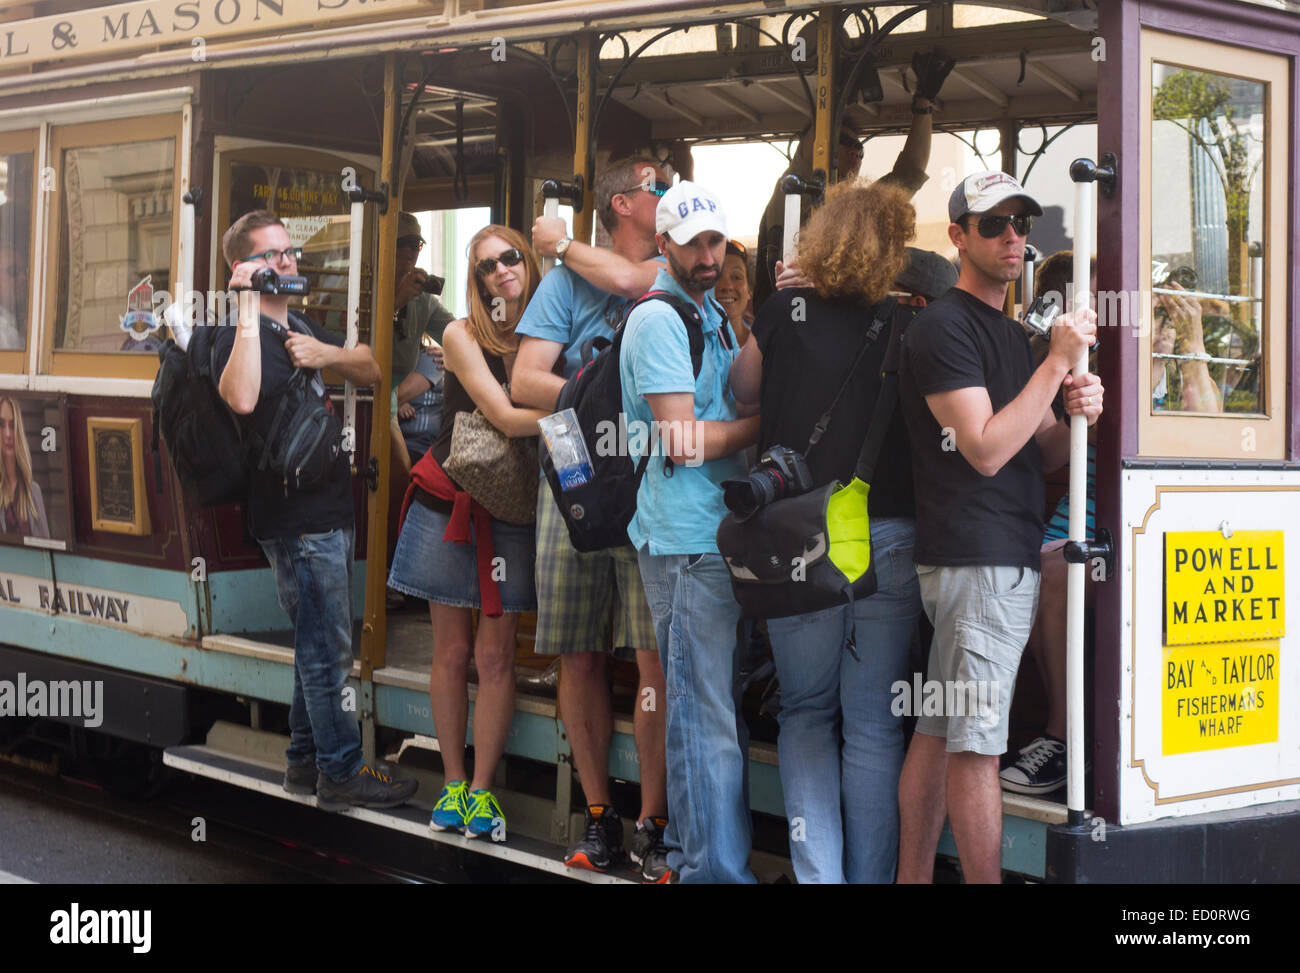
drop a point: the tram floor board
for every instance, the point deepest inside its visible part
(208, 762)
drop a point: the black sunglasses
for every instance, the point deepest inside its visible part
(488, 265)
(659, 188)
(410, 243)
(992, 227)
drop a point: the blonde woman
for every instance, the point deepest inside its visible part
(437, 559)
(21, 504)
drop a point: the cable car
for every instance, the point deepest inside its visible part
(131, 136)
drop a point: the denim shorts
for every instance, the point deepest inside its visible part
(426, 566)
(982, 616)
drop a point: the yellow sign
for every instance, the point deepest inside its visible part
(191, 24)
(1221, 589)
(1217, 696)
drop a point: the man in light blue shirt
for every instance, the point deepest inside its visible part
(699, 439)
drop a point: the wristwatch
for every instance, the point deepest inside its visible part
(562, 246)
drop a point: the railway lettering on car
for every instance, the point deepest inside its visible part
(76, 601)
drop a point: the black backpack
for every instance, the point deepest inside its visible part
(205, 439)
(597, 512)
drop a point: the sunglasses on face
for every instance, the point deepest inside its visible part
(410, 243)
(488, 265)
(659, 188)
(992, 227)
(271, 256)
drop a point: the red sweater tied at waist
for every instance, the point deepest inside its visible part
(428, 476)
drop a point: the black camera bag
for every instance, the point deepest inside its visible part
(783, 558)
(302, 442)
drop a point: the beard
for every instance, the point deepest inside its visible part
(698, 278)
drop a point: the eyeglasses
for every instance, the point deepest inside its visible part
(272, 256)
(410, 243)
(992, 227)
(488, 265)
(659, 188)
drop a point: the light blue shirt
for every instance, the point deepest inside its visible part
(569, 309)
(677, 514)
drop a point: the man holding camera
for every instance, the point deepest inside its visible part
(982, 431)
(698, 440)
(307, 535)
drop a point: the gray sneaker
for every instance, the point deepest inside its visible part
(367, 789)
(300, 778)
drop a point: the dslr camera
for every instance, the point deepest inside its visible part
(779, 473)
(267, 281)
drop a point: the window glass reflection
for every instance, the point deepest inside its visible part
(15, 238)
(115, 245)
(1208, 178)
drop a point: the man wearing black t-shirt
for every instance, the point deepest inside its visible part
(306, 535)
(982, 431)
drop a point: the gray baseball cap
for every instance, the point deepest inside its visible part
(983, 191)
(926, 273)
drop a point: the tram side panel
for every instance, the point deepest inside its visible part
(1210, 669)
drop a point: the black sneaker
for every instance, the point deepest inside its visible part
(300, 778)
(366, 789)
(602, 844)
(1040, 769)
(648, 854)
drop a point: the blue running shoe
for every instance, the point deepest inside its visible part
(485, 817)
(451, 810)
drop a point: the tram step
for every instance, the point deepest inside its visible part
(261, 776)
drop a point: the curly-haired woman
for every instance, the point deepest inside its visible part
(843, 797)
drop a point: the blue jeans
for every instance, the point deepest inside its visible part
(842, 801)
(709, 828)
(313, 576)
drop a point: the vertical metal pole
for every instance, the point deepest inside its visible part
(551, 207)
(374, 629)
(583, 150)
(358, 215)
(823, 137)
(1083, 200)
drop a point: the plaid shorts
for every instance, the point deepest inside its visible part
(577, 593)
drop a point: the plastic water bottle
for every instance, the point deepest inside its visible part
(568, 449)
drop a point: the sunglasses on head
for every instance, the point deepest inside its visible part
(659, 188)
(488, 265)
(992, 227)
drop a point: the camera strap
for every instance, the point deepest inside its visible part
(886, 401)
(878, 325)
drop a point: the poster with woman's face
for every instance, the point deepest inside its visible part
(34, 494)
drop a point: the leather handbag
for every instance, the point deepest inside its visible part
(497, 470)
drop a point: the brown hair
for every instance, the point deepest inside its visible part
(21, 490)
(497, 337)
(856, 243)
(1057, 272)
(235, 242)
(617, 178)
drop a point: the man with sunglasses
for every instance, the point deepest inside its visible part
(982, 431)
(307, 535)
(415, 314)
(579, 595)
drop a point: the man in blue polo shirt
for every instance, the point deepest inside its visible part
(679, 505)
